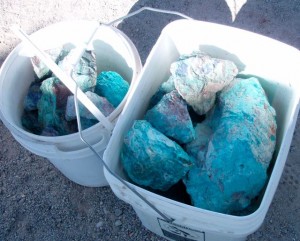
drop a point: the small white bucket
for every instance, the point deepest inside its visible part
(114, 52)
(275, 62)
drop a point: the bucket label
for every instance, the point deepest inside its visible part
(180, 233)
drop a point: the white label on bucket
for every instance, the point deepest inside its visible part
(180, 233)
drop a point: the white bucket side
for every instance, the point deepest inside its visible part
(114, 51)
(282, 88)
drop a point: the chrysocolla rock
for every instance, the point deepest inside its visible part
(101, 103)
(198, 77)
(166, 87)
(49, 115)
(239, 151)
(171, 117)
(151, 159)
(30, 122)
(40, 69)
(33, 96)
(85, 71)
(112, 86)
(198, 147)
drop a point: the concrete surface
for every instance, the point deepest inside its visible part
(38, 203)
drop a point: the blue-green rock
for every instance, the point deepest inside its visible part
(171, 117)
(151, 159)
(112, 86)
(101, 103)
(239, 151)
(198, 77)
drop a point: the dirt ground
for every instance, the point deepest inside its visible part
(38, 203)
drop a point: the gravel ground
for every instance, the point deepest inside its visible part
(38, 203)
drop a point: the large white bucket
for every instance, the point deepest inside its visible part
(271, 60)
(114, 51)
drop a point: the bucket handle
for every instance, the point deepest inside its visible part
(152, 206)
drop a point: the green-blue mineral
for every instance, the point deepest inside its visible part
(151, 159)
(198, 77)
(101, 103)
(171, 117)
(33, 96)
(112, 86)
(239, 151)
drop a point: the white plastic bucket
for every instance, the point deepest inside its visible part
(254, 54)
(114, 52)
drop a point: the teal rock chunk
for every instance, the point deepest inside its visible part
(84, 72)
(171, 117)
(33, 96)
(198, 77)
(165, 87)
(151, 159)
(112, 86)
(101, 103)
(48, 113)
(239, 152)
(40, 69)
(87, 123)
(198, 147)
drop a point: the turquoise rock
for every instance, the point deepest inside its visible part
(112, 86)
(101, 103)
(198, 77)
(84, 72)
(239, 151)
(151, 159)
(171, 117)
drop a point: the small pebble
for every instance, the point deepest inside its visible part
(99, 224)
(118, 223)
(118, 212)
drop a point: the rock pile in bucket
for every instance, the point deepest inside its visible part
(49, 107)
(224, 155)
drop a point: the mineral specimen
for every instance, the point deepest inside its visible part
(84, 72)
(54, 95)
(101, 103)
(239, 150)
(151, 159)
(112, 86)
(171, 117)
(40, 69)
(198, 77)
(33, 96)
(198, 147)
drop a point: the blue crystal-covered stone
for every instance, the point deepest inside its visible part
(151, 159)
(112, 86)
(171, 117)
(198, 77)
(33, 96)
(239, 151)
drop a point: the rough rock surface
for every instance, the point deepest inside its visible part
(151, 159)
(171, 117)
(239, 152)
(198, 77)
(112, 86)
